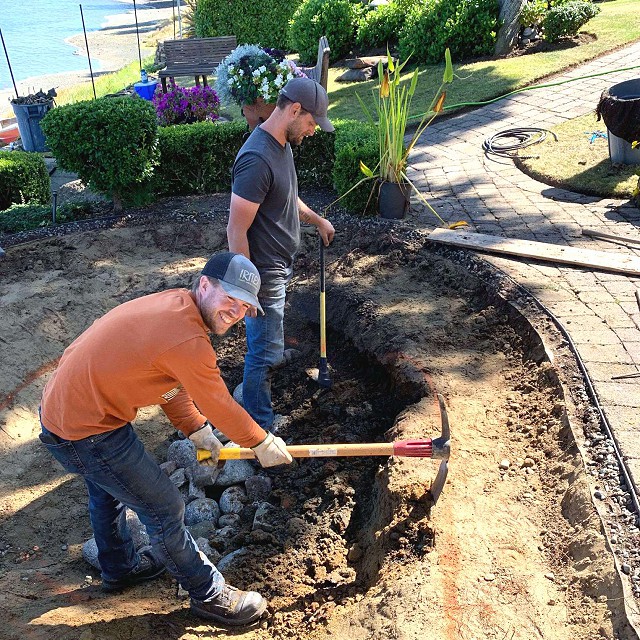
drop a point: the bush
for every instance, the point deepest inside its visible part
(468, 27)
(197, 158)
(111, 143)
(23, 179)
(314, 159)
(24, 217)
(265, 23)
(533, 13)
(336, 19)
(355, 142)
(567, 19)
(380, 27)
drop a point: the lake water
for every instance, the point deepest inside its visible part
(34, 34)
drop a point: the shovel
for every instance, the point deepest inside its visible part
(435, 448)
(321, 374)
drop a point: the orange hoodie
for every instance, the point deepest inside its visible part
(152, 350)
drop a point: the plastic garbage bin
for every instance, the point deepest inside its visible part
(28, 117)
(146, 89)
(619, 107)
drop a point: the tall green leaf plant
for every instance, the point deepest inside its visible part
(392, 101)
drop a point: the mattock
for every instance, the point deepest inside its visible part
(435, 448)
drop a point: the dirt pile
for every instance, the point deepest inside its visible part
(353, 549)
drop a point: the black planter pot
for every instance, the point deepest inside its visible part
(393, 199)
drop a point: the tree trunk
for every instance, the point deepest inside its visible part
(508, 33)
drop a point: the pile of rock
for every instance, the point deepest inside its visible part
(529, 35)
(361, 69)
(214, 524)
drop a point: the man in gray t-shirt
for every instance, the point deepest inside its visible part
(264, 225)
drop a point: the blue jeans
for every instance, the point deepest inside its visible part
(118, 473)
(265, 350)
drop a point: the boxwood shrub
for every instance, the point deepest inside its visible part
(381, 27)
(264, 23)
(109, 142)
(567, 19)
(23, 179)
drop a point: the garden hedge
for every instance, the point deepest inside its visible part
(24, 179)
(109, 142)
(263, 23)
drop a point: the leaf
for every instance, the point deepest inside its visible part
(440, 103)
(367, 172)
(447, 78)
(458, 224)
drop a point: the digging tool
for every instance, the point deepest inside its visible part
(435, 448)
(321, 374)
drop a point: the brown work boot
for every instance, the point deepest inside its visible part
(231, 607)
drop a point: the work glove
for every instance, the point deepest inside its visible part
(203, 438)
(272, 451)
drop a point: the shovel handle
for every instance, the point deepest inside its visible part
(406, 448)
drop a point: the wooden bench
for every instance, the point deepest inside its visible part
(197, 57)
(320, 73)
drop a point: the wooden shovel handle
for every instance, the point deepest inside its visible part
(309, 451)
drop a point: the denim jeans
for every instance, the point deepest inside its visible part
(118, 473)
(265, 350)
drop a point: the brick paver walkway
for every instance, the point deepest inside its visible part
(599, 310)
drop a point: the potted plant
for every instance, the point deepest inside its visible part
(392, 106)
(252, 77)
(29, 111)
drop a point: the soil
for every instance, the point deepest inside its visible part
(513, 549)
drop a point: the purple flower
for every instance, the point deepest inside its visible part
(186, 104)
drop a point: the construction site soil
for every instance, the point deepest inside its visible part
(512, 550)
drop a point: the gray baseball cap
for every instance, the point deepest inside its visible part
(312, 97)
(237, 275)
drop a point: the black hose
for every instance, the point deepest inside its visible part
(523, 136)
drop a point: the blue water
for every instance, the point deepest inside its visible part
(34, 32)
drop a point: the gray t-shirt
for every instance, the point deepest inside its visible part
(264, 173)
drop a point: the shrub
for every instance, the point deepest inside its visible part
(380, 27)
(24, 217)
(23, 179)
(314, 159)
(197, 158)
(182, 105)
(567, 19)
(109, 142)
(336, 19)
(263, 22)
(355, 142)
(533, 13)
(467, 27)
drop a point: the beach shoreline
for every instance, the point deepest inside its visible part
(113, 46)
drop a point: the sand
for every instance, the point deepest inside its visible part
(114, 46)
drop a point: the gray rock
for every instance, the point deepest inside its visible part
(169, 467)
(138, 535)
(182, 452)
(258, 488)
(235, 472)
(233, 499)
(235, 558)
(194, 493)
(205, 547)
(204, 529)
(229, 520)
(202, 475)
(201, 509)
(261, 518)
(178, 477)
(356, 75)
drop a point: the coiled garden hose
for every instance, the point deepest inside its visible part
(524, 137)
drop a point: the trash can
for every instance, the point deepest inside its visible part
(28, 117)
(619, 107)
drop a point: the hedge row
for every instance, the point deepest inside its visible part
(24, 179)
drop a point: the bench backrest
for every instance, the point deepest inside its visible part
(320, 73)
(208, 52)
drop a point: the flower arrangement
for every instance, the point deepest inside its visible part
(250, 72)
(182, 105)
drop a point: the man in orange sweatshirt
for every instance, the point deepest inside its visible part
(156, 350)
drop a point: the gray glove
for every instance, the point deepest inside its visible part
(203, 438)
(272, 451)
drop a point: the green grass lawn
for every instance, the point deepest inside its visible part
(577, 164)
(616, 25)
